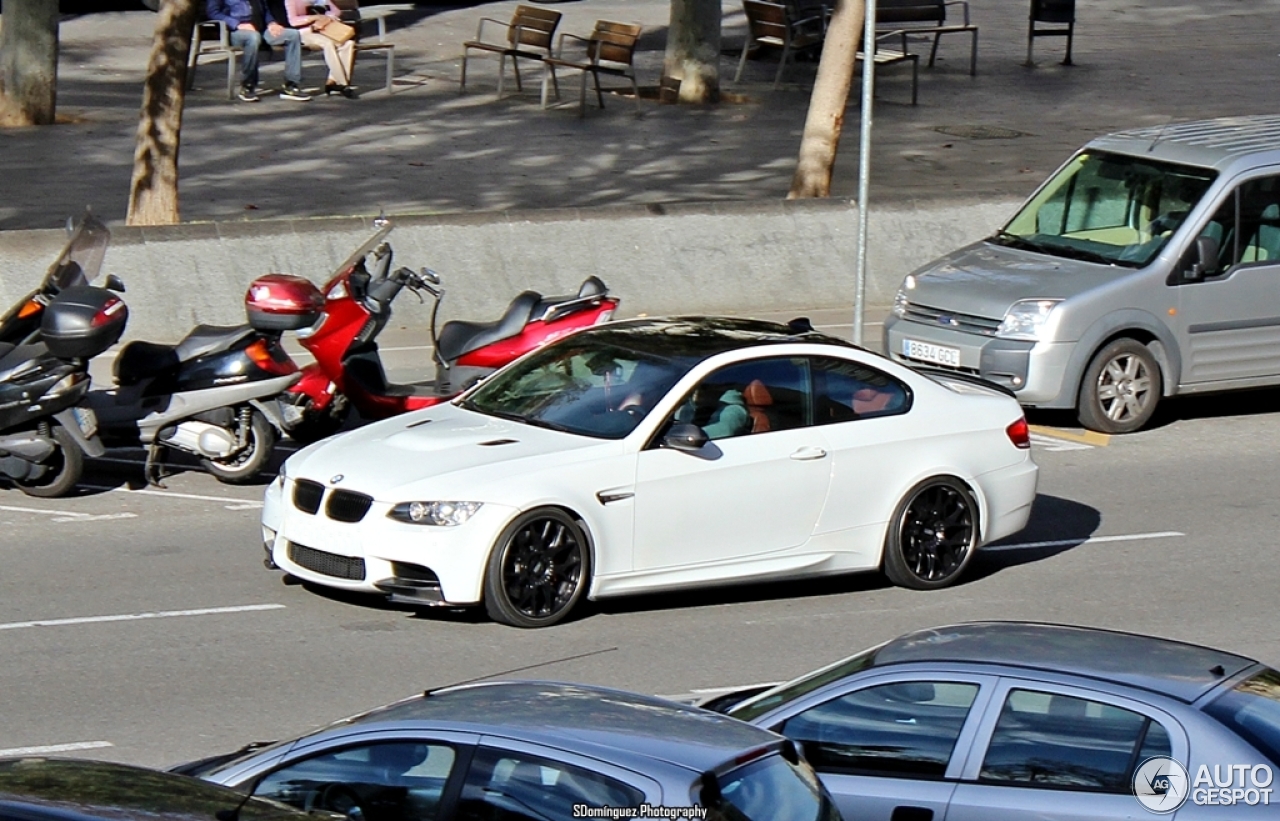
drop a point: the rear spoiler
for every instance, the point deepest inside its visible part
(959, 376)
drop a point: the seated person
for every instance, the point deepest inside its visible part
(729, 417)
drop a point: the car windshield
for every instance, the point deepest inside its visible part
(769, 699)
(1252, 710)
(583, 385)
(1107, 208)
(770, 789)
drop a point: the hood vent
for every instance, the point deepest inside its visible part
(495, 442)
(418, 424)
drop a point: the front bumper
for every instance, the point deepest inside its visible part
(1037, 372)
(413, 564)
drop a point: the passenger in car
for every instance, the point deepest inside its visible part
(730, 416)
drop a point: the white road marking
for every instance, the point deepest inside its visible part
(160, 614)
(69, 515)
(1133, 537)
(239, 504)
(57, 748)
(1049, 443)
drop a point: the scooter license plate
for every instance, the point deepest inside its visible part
(87, 420)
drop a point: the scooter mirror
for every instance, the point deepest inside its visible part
(114, 283)
(431, 276)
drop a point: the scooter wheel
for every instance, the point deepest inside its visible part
(65, 467)
(319, 424)
(245, 466)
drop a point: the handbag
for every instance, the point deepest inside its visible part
(337, 31)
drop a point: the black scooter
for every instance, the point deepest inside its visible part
(48, 340)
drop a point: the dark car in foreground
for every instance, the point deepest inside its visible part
(998, 721)
(57, 789)
(532, 751)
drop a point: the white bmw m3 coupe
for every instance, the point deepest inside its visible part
(656, 454)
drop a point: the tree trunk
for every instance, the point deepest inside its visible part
(29, 60)
(830, 95)
(692, 61)
(153, 192)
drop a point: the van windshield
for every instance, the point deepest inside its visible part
(1111, 209)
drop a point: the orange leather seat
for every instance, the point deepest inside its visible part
(757, 397)
(870, 400)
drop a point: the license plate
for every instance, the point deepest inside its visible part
(87, 421)
(925, 352)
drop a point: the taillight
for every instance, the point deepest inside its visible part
(1019, 434)
(32, 307)
(271, 358)
(107, 313)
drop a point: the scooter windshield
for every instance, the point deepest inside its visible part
(364, 250)
(81, 259)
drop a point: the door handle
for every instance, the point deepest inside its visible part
(911, 814)
(808, 453)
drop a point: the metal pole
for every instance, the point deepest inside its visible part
(864, 166)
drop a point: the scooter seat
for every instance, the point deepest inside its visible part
(457, 338)
(142, 360)
(591, 287)
(207, 339)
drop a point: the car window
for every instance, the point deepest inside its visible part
(906, 728)
(844, 390)
(1252, 709)
(758, 396)
(769, 789)
(1052, 740)
(505, 786)
(390, 781)
(1247, 225)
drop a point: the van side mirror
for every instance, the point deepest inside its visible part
(685, 436)
(1204, 260)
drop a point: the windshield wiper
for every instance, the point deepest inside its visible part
(1082, 253)
(1071, 251)
(1018, 241)
(514, 417)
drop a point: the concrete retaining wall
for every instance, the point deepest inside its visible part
(688, 258)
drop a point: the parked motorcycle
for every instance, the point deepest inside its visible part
(214, 395)
(48, 339)
(358, 298)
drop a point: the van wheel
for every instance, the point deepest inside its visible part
(1121, 388)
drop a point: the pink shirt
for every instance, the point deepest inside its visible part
(298, 16)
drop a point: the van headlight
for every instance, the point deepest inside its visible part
(1026, 320)
(441, 514)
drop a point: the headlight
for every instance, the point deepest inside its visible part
(1026, 319)
(442, 514)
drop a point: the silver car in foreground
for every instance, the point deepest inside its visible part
(1005, 721)
(532, 751)
(1145, 267)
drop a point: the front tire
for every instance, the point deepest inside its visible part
(245, 466)
(932, 536)
(66, 466)
(1121, 388)
(538, 571)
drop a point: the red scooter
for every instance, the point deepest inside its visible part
(348, 371)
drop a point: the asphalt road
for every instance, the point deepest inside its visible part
(140, 625)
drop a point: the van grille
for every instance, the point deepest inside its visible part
(347, 506)
(950, 319)
(326, 564)
(306, 495)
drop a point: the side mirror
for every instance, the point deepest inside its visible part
(115, 283)
(685, 436)
(431, 276)
(1204, 260)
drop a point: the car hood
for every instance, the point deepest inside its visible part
(445, 439)
(984, 279)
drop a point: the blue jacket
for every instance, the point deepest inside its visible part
(235, 12)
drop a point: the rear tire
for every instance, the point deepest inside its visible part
(66, 466)
(932, 536)
(245, 466)
(538, 571)
(1120, 389)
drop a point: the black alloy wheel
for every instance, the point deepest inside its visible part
(933, 535)
(538, 570)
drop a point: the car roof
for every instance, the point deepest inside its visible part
(1206, 143)
(610, 724)
(64, 789)
(1182, 671)
(701, 337)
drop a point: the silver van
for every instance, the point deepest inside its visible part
(1147, 266)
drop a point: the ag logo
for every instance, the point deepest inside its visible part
(1161, 784)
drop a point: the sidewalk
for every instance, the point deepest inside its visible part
(426, 149)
